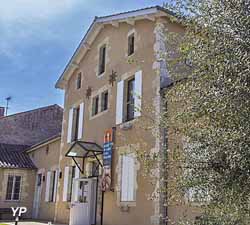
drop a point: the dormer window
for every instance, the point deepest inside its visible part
(79, 81)
(131, 44)
(102, 59)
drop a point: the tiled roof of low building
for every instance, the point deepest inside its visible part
(13, 156)
(31, 127)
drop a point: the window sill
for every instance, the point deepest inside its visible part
(127, 125)
(98, 114)
(101, 75)
(16, 201)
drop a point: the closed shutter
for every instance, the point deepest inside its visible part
(47, 190)
(128, 179)
(131, 179)
(55, 185)
(65, 183)
(138, 93)
(76, 184)
(119, 102)
(124, 186)
(70, 125)
(81, 119)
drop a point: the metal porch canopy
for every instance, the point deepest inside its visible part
(83, 150)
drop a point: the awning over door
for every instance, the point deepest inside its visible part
(83, 150)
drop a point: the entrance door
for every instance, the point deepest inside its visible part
(37, 197)
(83, 209)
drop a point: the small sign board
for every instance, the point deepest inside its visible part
(107, 159)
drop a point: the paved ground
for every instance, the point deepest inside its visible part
(29, 223)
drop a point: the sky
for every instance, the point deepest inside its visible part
(37, 39)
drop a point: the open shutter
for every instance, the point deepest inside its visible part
(55, 185)
(76, 184)
(65, 184)
(138, 93)
(70, 125)
(47, 190)
(119, 102)
(124, 182)
(81, 118)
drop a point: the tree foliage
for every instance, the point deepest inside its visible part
(214, 114)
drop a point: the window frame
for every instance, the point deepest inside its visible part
(95, 106)
(13, 187)
(79, 81)
(102, 59)
(104, 101)
(129, 99)
(75, 125)
(131, 44)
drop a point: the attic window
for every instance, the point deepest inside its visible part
(131, 44)
(102, 59)
(47, 150)
(79, 81)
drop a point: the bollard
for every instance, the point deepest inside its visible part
(16, 220)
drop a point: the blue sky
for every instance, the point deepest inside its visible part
(37, 38)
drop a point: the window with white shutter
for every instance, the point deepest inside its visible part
(70, 125)
(69, 174)
(119, 102)
(47, 190)
(80, 121)
(128, 178)
(138, 93)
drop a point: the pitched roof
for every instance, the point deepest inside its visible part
(96, 27)
(12, 156)
(31, 127)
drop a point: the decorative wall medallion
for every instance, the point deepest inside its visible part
(112, 77)
(88, 92)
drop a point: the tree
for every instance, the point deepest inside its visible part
(213, 113)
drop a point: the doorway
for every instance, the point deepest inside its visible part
(83, 207)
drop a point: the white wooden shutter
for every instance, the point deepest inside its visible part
(55, 184)
(70, 125)
(81, 119)
(131, 178)
(138, 93)
(124, 186)
(119, 102)
(76, 184)
(65, 183)
(47, 190)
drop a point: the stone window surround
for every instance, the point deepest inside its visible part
(107, 60)
(5, 182)
(136, 36)
(122, 151)
(99, 93)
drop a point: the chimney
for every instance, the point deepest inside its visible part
(2, 111)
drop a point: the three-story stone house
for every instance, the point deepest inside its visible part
(115, 74)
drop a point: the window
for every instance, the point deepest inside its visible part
(130, 100)
(102, 59)
(79, 81)
(131, 44)
(13, 188)
(52, 186)
(95, 105)
(104, 101)
(128, 178)
(75, 123)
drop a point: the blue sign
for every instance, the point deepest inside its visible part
(107, 154)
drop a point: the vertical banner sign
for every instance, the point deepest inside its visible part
(107, 159)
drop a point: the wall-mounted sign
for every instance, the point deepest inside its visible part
(107, 159)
